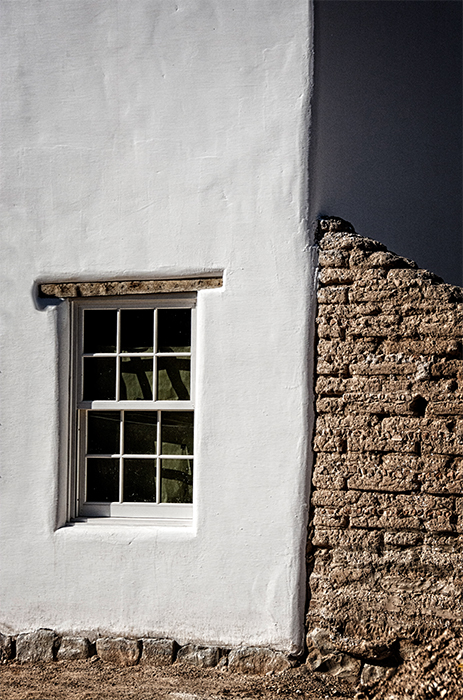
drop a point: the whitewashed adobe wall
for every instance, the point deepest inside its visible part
(151, 139)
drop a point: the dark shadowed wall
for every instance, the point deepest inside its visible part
(386, 149)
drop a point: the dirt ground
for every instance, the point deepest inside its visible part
(93, 679)
(434, 670)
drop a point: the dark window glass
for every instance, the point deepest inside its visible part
(173, 379)
(140, 480)
(100, 331)
(103, 432)
(99, 379)
(136, 379)
(177, 432)
(137, 330)
(102, 479)
(140, 432)
(174, 330)
(177, 481)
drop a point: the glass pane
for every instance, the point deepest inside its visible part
(140, 432)
(99, 378)
(137, 330)
(103, 432)
(102, 479)
(140, 480)
(136, 379)
(177, 481)
(174, 330)
(177, 432)
(100, 331)
(173, 379)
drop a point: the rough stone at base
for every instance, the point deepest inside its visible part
(373, 674)
(314, 659)
(73, 649)
(257, 661)
(35, 646)
(320, 639)
(204, 657)
(119, 650)
(323, 655)
(157, 652)
(223, 662)
(6, 647)
(343, 666)
(407, 648)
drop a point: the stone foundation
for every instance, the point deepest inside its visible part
(45, 646)
(385, 538)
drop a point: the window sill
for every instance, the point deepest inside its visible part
(170, 512)
(131, 522)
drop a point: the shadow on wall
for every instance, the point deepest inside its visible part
(386, 150)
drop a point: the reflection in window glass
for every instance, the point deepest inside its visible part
(177, 481)
(136, 379)
(140, 432)
(177, 432)
(173, 379)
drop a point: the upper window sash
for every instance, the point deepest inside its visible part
(117, 356)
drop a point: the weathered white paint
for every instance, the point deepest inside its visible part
(148, 139)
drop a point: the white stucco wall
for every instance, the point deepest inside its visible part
(145, 139)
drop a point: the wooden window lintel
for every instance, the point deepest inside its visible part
(64, 290)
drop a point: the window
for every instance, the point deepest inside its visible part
(133, 407)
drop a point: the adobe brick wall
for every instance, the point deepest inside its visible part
(385, 564)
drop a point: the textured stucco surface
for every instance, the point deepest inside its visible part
(387, 505)
(155, 140)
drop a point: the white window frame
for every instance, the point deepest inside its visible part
(78, 510)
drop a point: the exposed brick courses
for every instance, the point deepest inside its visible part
(385, 559)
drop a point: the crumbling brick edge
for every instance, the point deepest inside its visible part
(386, 520)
